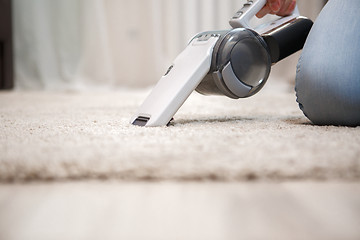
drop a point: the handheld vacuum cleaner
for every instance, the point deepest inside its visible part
(235, 63)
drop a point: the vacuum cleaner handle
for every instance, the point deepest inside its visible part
(283, 36)
(242, 18)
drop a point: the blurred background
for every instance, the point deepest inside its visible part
(81, 44)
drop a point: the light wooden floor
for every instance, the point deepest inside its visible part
(114, 210)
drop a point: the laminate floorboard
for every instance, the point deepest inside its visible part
(169, 210)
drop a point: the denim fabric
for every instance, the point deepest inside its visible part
(328, 72)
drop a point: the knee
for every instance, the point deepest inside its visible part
(328, 74)
(328, 95)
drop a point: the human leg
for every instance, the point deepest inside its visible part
(328, 74)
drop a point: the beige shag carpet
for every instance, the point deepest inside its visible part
(87, 135)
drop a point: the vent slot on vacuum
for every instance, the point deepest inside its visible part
(141, 121)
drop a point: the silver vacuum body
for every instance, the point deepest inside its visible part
(240, 64)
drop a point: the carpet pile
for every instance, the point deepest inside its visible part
(87, 135)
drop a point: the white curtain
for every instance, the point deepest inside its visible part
(76, 44)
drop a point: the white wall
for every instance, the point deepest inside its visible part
(72, 44)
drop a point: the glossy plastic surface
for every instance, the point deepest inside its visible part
(250, 61)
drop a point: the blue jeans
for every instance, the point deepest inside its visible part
(328, 72)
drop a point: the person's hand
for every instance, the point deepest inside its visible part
(278, 7)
